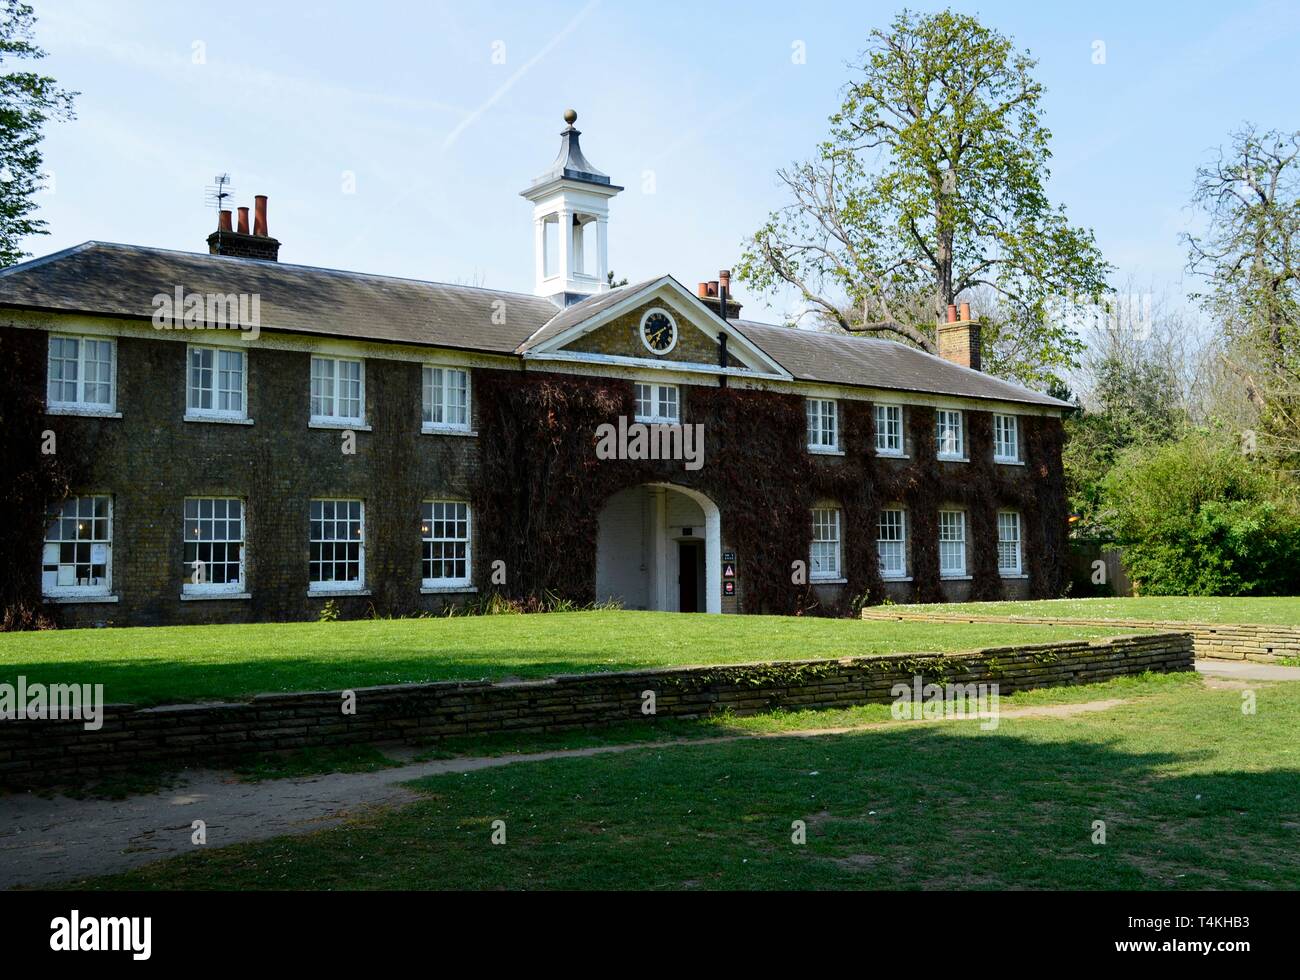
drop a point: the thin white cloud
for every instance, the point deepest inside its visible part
(519, 73)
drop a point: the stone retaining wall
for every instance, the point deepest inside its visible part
(1222, 641)
(44, 753)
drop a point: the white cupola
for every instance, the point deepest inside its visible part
(571, 223)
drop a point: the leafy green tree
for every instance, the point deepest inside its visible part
(930, 188)
(27, 101)
(1134, 403)
(1195, 517)
(1249, 258)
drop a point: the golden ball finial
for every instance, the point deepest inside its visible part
(570, 116)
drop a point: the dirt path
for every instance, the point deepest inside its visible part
(44, 841)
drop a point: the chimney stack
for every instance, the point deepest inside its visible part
(238, 242)
(959, 338)
(709, 295)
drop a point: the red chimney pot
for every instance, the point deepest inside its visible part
(952, 312)
(243, 221)
(259, 216)
(965, 311)
(223, 220)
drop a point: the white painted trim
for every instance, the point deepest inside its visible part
(203, 596)
(712, 547)
(955, 578)
(85, 413)
(339, 421)
(108, 326)
(654, 398)
(82, 408)
(892, 455)
(823, 451)
(688, 306)
(88, 600)
(214, 414)
(660, 367)
(334, 593)
(404, 352)
(442, 430)
(813, 580)
(447, 589)
(1009, 462)
(444, 427)
(224, 419)
(895, 578)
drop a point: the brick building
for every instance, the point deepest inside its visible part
(246, 439)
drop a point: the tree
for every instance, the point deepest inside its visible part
(931, 187)
(1197, 518)
(27, 101)
(1249, 257)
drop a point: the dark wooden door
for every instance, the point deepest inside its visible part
(688, 576)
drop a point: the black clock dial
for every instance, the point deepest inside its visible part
(658, 332)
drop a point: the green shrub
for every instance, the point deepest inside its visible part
(1196, 517)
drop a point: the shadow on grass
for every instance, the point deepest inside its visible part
(943, 806)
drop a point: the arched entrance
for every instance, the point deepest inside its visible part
(659, 546)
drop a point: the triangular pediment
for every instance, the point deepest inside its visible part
(656, 322)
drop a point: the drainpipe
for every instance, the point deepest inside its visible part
(724, 287)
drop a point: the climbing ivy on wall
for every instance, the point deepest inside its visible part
(541, 488)
(30, 480)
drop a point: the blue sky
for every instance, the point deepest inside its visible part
(291, 98)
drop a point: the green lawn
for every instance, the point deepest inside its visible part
(1194, 795)
(153, 665)
(1284, 610)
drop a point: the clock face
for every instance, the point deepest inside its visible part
(658, 332)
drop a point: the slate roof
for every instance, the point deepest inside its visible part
(869, 362)
(121, 280)
(107, 279)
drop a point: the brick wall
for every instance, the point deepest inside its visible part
(1244, 641)
(36, 753)
(150, 460)
(623, 336)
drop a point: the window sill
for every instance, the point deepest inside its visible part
(334, 593)
(953, 459)
(955, 578)
(436, 430)
(892, 455)
(201, 596)
(646, 421)
(220, 419)
(895, 578)
(1013, 575)
(447, 589)
(1009, 462)
(90, 413)
(828, 581)
(823, 451)
(74, 599)
(340, 426)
